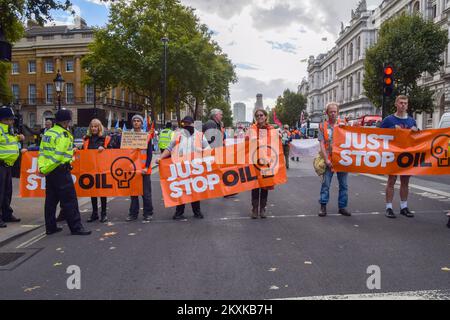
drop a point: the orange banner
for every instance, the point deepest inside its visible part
(111, 173)
(391, 151)
(222, 171)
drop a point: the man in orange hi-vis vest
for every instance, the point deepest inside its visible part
(326, 129)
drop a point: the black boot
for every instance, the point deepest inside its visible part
(255, 206)
(104, 218)
(2, 224)
(262, 208)
(94, 217)
(323, 210)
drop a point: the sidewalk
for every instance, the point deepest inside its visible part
(31, 211)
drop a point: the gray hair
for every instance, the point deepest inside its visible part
(214, 112)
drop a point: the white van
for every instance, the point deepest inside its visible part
(445, 121)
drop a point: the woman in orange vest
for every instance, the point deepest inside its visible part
(95, 139)
(260, 195)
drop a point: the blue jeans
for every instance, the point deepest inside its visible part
(343, 188)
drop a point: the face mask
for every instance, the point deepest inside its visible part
(189, 129)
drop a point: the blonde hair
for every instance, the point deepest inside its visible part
(97, 122)
(401, 97)
(264, 112)
(329, 104)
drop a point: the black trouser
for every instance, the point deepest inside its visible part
(286, 154)
(195, 208)
(5, 192)
(94, 202)
(147, 199)
(259, 197)
(60, 188)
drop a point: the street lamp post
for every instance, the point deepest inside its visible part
(59, 86)
(165, 41)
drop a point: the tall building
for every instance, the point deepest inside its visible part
(338, 75)
(259, 102)
(239, 112)
(36, 59)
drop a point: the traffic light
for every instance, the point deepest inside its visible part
(388, 81)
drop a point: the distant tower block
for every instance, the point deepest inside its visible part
(259, 102)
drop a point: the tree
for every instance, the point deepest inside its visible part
(128, 52)
(412, 46)
(12, 13)
(289, 107)
(223, 105)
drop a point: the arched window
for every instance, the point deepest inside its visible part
(350, 53)
(358, 48)
(416, 7)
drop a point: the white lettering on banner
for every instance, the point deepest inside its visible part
(371, 159)
(176, 169)
(35, 181)
(198, 184)
(351, 141)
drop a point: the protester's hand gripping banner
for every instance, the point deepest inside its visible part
(222, 171)
(391, 151)
(110, 173)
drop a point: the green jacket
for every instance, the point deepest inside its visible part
(56, 149)
(9, 146)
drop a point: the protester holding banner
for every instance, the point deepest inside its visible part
(286, 138)
(260, 195)
(186, 141)
(56, 155)
(214, 130)
(138, 122)
(9, 153)
(326, 129)
(399, 120)
(95, 139)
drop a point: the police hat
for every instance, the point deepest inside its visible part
(6, 113)
(63, 115)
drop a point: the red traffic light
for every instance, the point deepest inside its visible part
(388, 81)
(388, 71)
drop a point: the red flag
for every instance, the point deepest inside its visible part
(302, 118)
(275, 119)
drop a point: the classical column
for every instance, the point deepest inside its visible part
(78, 86)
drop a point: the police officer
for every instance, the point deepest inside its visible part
(55, 157)
(165, 137)
(9, 153)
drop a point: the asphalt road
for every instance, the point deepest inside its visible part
(293, 254)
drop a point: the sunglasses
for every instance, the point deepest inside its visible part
(259, 115)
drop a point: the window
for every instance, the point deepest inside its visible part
(67, 36)
(16, 92)
(124, 115)
(15, 68)
(89, 93)
(70, 97)
(434, 10)
(69, 66)
(87, 35)
(358, 48)
(32, 118)
(49, 93)
(32, 66)
(173, 116)
(416, 8)
(113, 95)
(48, 37)
(31, 39)
(122, 97)
(350, 53)
(49, 67)
(32, 94)
(350, 88)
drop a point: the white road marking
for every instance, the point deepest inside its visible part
(31, 241)
(407, 295)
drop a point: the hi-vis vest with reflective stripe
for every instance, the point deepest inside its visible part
(326, 135)
(56, 149)
(9, 146)
(165, 137)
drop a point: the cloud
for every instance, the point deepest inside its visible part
(285, 47)
(223, 8)
(245, 66)
(62, 18)
(247, 88)
(98, 2)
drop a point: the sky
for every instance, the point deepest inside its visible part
(269, 41)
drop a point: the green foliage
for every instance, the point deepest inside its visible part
(129, 52)
(289, 107)
(5, 91)
(412, 46)
(223, 105)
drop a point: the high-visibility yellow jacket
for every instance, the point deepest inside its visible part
(165, 137)
(56, 149)
(9, 146)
